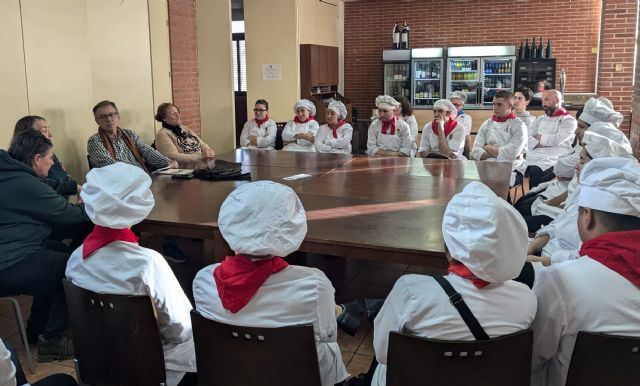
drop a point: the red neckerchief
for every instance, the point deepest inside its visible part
(618, 251)
(457, 268)
(238, 279)
(389, 125)
(560, 113)
(511, 115)
(448, 126)
(261, 121)
(335, 129)
(297, 120)
(101, 236)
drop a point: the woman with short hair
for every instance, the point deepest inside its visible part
(259, 132)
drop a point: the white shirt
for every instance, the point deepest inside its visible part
(564, 240)
(509, 137)
(7, 369)
(325, 143)
(123, 268)
(557, 138)
(431, 142)
(466, 122)
(411, 121)
(292, 128)
(266, 135)
(526, 117)
(400, 141)
(417, 305)
(578, 295)
(295, 295)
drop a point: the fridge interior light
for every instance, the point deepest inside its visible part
(481, 51)
(426, 53)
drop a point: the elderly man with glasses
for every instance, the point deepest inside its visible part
(112, 143)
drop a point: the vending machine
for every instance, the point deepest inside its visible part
(427, 85)
(396, 73)
(480, 72)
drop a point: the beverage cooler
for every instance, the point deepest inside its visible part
(396, 73)
(427, 76)
(480, 72)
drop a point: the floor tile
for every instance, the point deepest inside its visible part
(351, 343)
(346, 357)
(366, 347)
(359, 364)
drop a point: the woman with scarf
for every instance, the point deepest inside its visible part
(299, 133)
(444, 136)
(259, 132)
(335, 135)
(178, 142)
(388, 135)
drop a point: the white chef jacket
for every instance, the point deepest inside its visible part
(325, 143)
(295, 295)
(557, 138)
(411, 121)
(292, 128)
(564, 240)
(466, 122)
(417, 305)
(266, 134)
(7, 369)
(527, 118)
(431, 142)
(578, 295)
(553, 189)
(123, 268)
(400, 141)
(509, 136)
(571, 159)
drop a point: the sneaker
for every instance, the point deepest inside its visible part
(55, 348)
(349, 319)
(372, 307)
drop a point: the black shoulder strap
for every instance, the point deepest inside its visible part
(456, 299)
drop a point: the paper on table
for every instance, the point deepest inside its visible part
(296, 177)
(173, 172)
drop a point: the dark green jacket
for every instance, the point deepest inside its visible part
(29, 210)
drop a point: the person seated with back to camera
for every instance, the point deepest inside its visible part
(299, 134)
(112, 144)
(404, 112)
(116, 197)
(259, 132)
(335, 135)
(443, 137)
(177, 141)
(388, 135)
(263, 222)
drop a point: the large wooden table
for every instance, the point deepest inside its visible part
(379, 208)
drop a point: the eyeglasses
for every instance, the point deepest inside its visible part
(104, 117)
(259, 110)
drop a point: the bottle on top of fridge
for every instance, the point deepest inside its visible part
(396, 36)
(404, 36)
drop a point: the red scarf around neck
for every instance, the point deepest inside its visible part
(335, 129)
(238, 278)
(297, 120)
(618, 251)
(457, 268)
(511, 115)
(448, 126)
(560, 112)
(101, 236)
(261, 121)
(389, 125)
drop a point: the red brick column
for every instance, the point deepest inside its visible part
(184, 61)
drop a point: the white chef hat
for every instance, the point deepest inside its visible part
(117, 196)
(597, 111)
(339, 108)
(607, 129)
(485, 233)
(263, 218)
(447, 105)
(611, 185)
(600, 146)
(459, 95)
(386, 102)
(307, 104)
(565, 167)
(606, 102)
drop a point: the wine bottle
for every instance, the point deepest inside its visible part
(548, 54)
(521, 50)
(526, 50)
(539, 51)
(534, 49)
(396, 36)
(404, 36)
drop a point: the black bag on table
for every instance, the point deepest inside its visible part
(223, 170)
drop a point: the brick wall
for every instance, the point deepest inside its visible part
(634, 135)
(184, 61)
(572, 25)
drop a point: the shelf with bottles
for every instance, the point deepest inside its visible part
(505, 74)
(463, 65)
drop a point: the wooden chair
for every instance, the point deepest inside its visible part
(115, 339)
(600, 359)
(249, 356)
(20, 321)
(501, 361)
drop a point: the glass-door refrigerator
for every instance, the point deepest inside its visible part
(396, 73)
(427, 76)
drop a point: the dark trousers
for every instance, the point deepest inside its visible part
(534, 223)
(524, 203)
(40, 275)
(538, 176)
(51, 380)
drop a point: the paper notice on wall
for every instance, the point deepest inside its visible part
(271, 72)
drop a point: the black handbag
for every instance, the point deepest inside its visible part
(223, 170)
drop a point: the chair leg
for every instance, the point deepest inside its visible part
(23, 333)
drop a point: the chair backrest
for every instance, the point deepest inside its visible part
(601, 359)
(249, 356)
(501, 361)
(115, 338)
